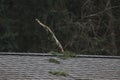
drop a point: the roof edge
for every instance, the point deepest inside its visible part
(51, 55)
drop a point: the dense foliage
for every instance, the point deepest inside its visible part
(82, 26)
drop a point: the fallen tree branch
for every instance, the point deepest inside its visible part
(52, 33)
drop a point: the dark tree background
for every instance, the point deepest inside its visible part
(82, 26)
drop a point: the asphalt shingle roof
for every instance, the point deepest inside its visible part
(35, 66)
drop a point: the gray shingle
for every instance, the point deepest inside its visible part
(27, 66)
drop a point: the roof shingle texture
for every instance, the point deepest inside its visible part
(37, 67)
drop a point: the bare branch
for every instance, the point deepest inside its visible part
(98, 13)
(52, 33)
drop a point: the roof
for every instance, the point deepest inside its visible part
(35, 66)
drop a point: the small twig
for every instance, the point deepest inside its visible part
(52, 33)
(98, 13)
